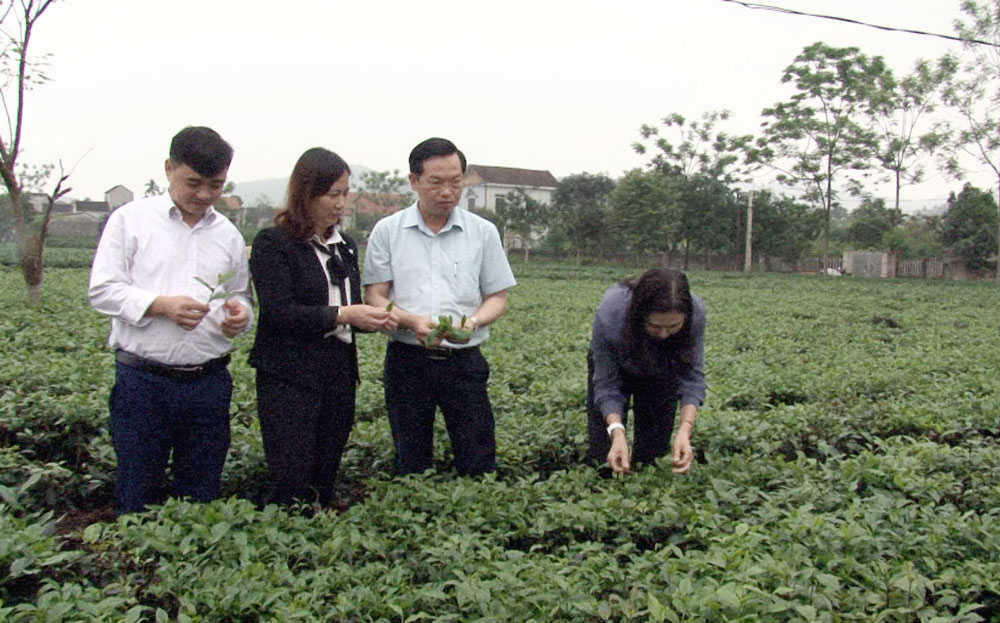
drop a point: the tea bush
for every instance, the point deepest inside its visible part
(847, 468)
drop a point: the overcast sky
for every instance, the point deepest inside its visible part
(557, 85)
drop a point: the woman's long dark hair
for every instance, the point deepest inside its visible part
(314, 173)
(657, 290)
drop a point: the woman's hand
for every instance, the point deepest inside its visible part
(367, 318)
(618, 456)
(683, 454)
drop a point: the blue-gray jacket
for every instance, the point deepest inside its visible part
(610, 360)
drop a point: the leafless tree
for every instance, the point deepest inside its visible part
(19, 73)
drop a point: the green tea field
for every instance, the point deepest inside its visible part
(847, 469)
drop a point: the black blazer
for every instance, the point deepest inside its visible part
(295, 313)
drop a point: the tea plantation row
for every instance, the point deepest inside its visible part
(847, 470)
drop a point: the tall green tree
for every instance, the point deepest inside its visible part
(899, 114)
(869, 223)
(21, 73)
(702, 161)
(645, 212)
(708, 216)
(818, 135)
(969, 227)
(784, 227)
(974, 93)
(579, 210)
(519, 214)
(696, 147)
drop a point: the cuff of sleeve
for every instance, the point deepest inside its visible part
(330, 318)
(690, 400)
(134, 310)
(607, 408)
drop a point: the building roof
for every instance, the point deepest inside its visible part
(115, 187)
(478, 173)
(230, 202)
(92, 206)
(378, 204)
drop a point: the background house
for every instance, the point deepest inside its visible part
(484, 184)
(118, 196)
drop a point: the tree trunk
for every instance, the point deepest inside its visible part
(29, 250)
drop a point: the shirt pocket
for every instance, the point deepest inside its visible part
(465, 283)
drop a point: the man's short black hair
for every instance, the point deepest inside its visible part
(202, 149)
(433, 148)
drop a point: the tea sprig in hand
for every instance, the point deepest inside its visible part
(217, 291)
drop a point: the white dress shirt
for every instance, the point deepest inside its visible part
(147, 250)
(343, 331)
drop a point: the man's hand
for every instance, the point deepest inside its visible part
(422, 326)
(368, 318)
(183, 311)
(618, 457)
(683, 454)
(237, 318)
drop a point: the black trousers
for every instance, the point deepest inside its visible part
(654, 405)
(305, 430)
(417, 382)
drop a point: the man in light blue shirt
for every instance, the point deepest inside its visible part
(435, 259)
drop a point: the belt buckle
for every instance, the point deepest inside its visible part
(438, 354)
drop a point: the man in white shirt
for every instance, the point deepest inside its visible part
(172, 274)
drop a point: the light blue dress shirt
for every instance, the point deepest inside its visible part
(443, 274)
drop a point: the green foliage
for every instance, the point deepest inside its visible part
(869, 224)
(969, 227)
(445, 330)
(520, 214)
(699, 150)
(846, 468)
(217, 291)
(783, 227)
(579, 211)
(818, 135)
(645, 211)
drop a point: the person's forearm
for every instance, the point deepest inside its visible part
(688, 414)
(492, 307)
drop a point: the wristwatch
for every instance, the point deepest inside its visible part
(615, 426)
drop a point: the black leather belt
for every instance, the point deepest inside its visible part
(438, 353)
(176, 373)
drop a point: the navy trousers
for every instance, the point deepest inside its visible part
(654, 405)
(417, 382)
(158, 422)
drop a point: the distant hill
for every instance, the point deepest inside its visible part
(260, 192)
(273, 189)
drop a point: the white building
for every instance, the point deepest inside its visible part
(484, 185)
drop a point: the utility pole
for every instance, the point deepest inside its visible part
(748, 253)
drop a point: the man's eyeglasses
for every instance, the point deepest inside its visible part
(436, 184)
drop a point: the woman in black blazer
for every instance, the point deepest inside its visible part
(306, 275)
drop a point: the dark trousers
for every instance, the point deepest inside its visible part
(305, 431)
(154, 418)
(654, 404)
(417, 382)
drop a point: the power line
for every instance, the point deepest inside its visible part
(776, 9)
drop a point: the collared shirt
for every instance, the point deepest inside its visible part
(443, 274)
(343, 331)
(146, 250)
(610, 360)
